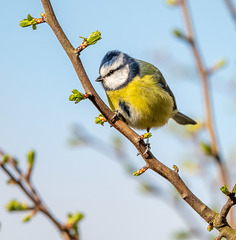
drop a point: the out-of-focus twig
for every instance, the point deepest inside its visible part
(81, 136)
(231, 9)
(209, 122)
(24, 183)
(153, 163)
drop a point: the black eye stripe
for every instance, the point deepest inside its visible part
(114, 70)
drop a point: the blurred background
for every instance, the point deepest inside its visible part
(81, 166)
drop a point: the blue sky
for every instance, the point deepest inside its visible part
(36, 79)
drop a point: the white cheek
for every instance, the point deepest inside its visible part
(103, 71)
(117, 79)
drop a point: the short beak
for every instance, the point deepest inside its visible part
(99, 79)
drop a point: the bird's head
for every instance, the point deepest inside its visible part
(117, 69)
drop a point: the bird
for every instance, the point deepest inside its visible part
(137, 91)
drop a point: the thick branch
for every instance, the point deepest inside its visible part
(226, 208)
(221, 222)
(204, 211)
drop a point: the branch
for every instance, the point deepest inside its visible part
(229, 204)
(26, 186)
(151, 162)
(83, 137)
(221, 221)
(209, 123)
(206, 91)
(231, 9)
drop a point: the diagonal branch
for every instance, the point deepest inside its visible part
(229, 204)
(231, 9)
(206, 92)
(30, 192)
(152, 163)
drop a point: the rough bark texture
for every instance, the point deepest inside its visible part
(173, 177)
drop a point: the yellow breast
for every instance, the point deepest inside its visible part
(143, 103)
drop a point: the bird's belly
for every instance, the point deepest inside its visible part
(147, 115)
(142, 108)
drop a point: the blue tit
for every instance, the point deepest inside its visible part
(138, 91)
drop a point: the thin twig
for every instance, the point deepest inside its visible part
(206, 92)
(31, 193)
(231, 9)
(205, 212)
(229, 204)
(209, 123)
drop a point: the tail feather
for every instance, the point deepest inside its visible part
(182, 119)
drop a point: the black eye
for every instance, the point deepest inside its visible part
(109, 74)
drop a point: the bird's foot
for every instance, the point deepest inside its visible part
(148, 148)
(117, 116)
(148, 145)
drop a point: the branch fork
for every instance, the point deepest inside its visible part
(172, 176)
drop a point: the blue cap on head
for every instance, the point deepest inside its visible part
(110, 57)
(114, 55)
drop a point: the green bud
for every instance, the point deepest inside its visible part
(220, 63)
(176, 169)
(11, 182)
(34, 27)
(234, 191)
(206, 148)
(31, 157)
(136, 174)
(76, 96)
(100, 119)
(28, 21)
(5, 158)
(93, 38)
(73, 219)
(147, 135)
(140, 171)
(177, 33)
(14, 205)
(209, 227)
(29, 18)
(225, 190)
(171, 2)
(26, 218)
